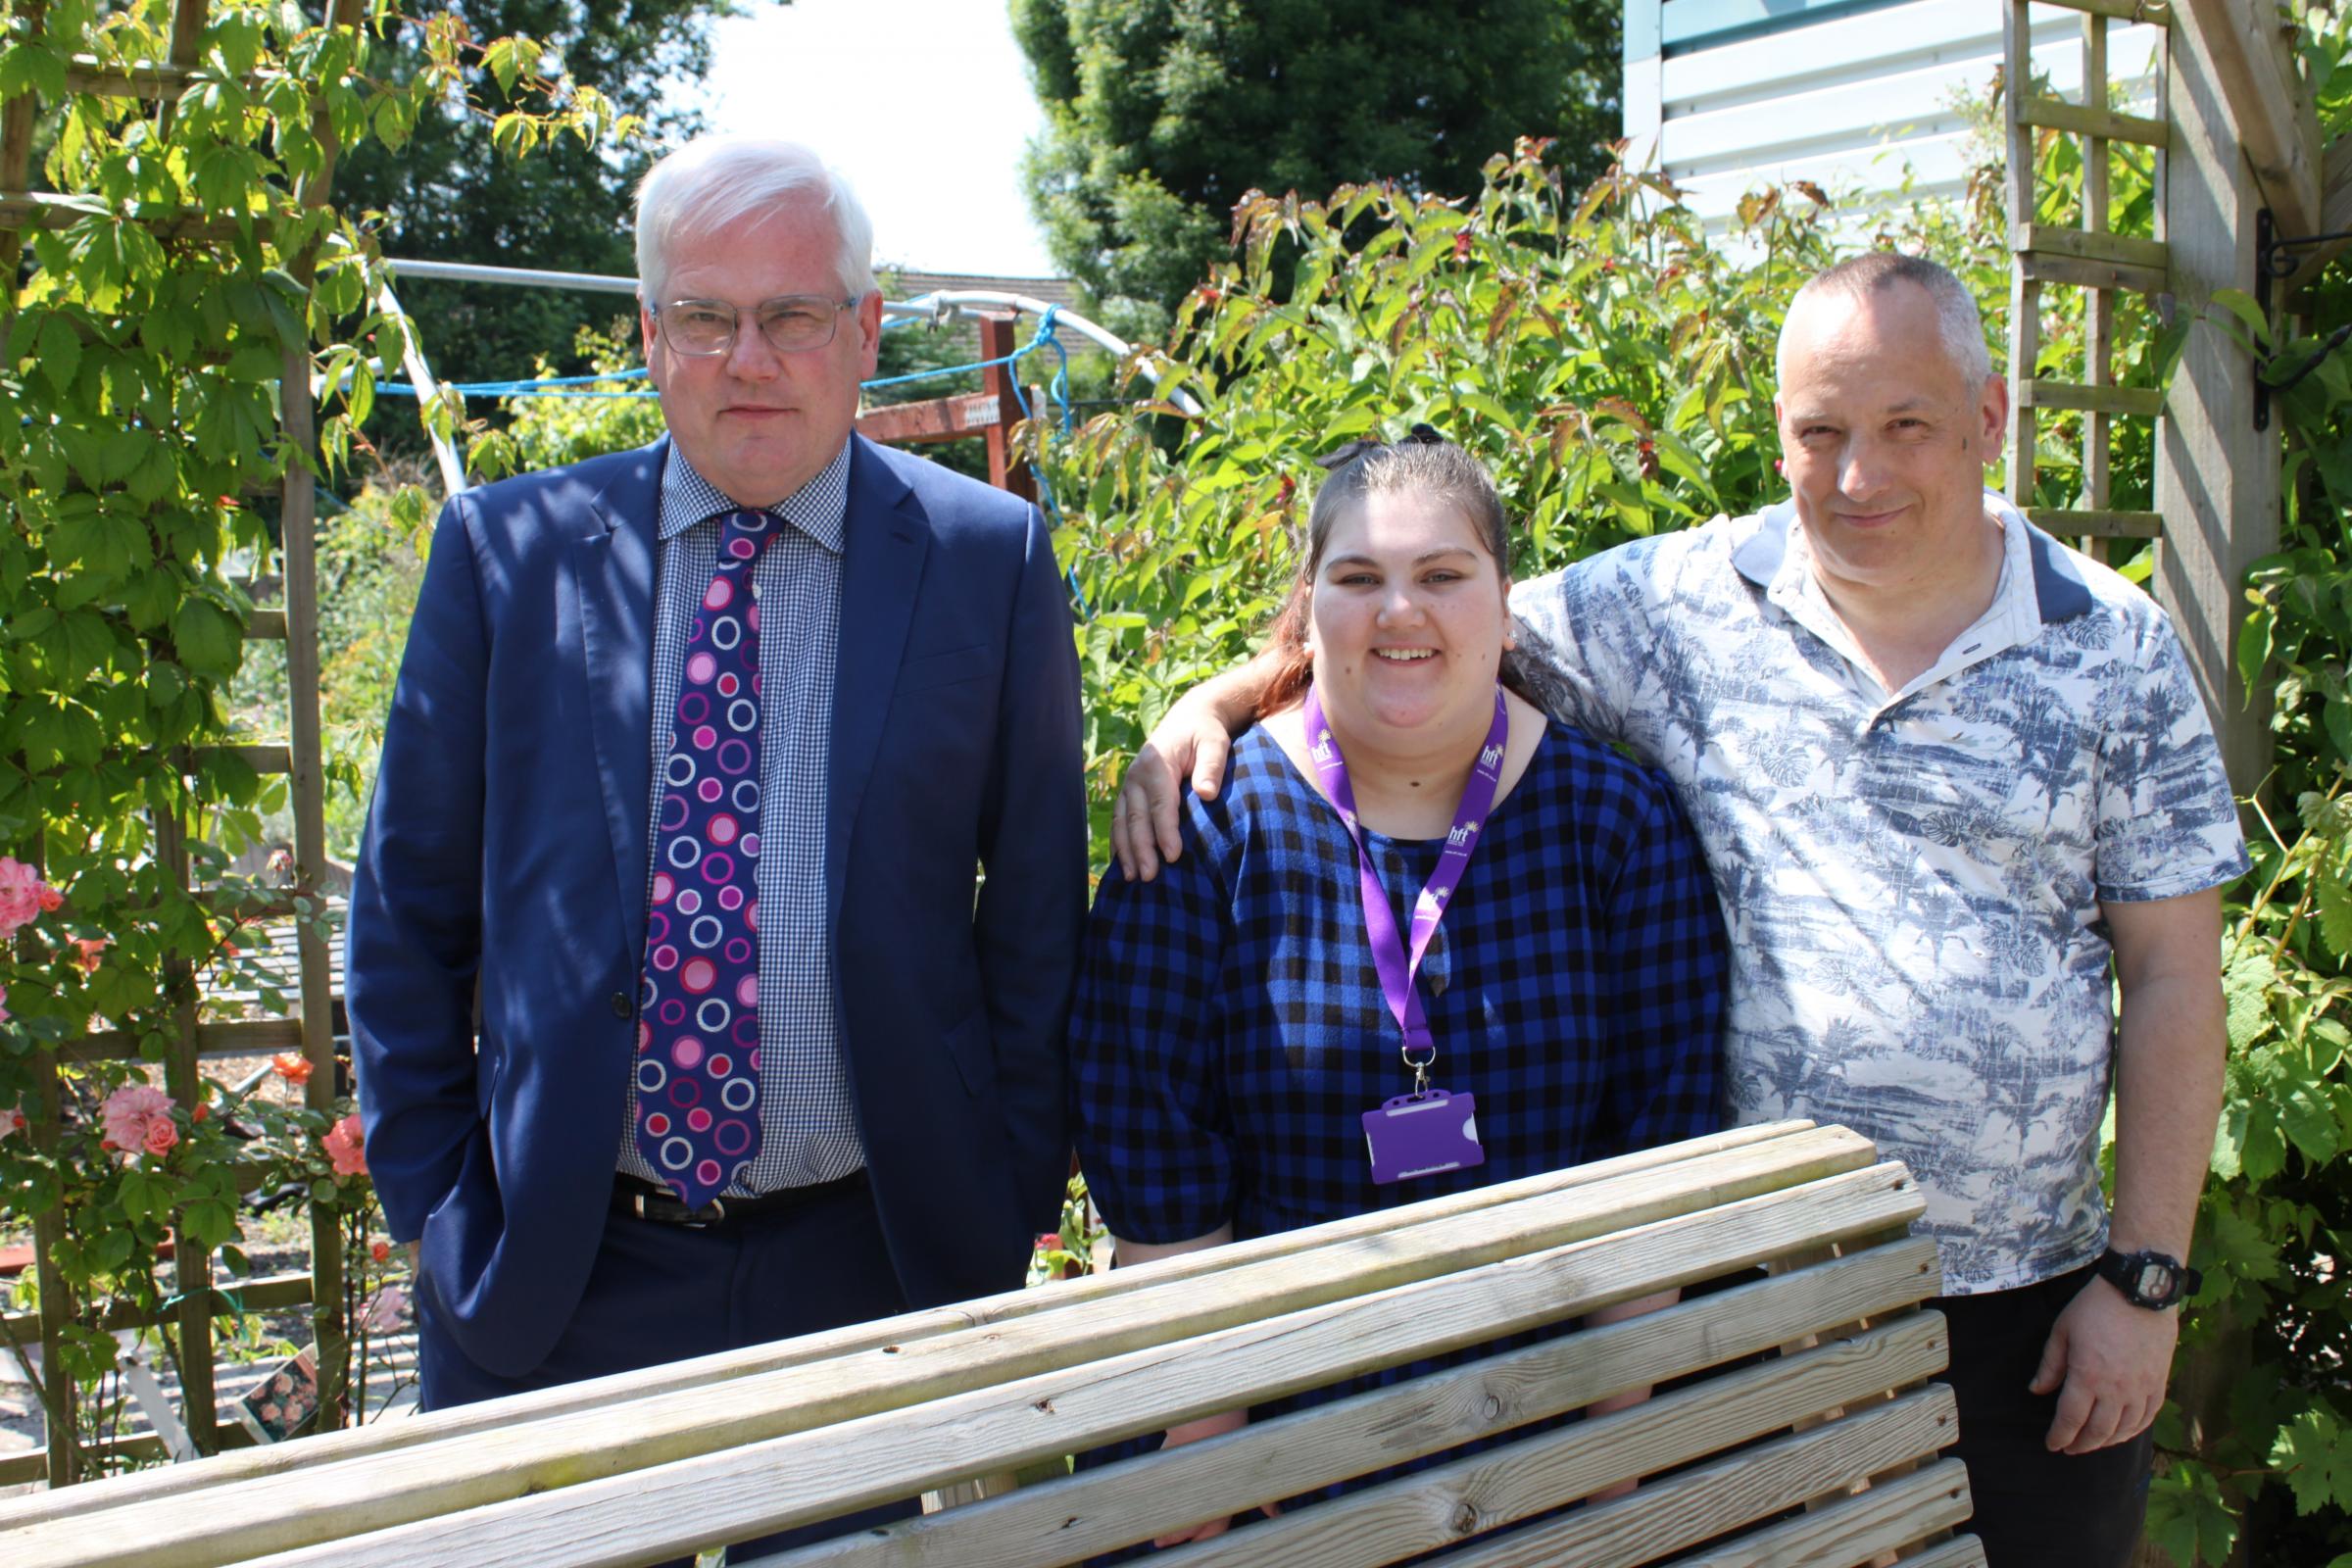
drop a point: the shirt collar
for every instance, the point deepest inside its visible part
(819, 508)
(2059, 591)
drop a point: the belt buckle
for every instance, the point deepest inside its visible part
(715, 1212)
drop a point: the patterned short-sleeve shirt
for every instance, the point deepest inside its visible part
(1912, 879)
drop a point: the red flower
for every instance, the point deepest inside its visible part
(379, 1251)
(87, 949)
(48, 898)
(346, 1147)
(293, 1069)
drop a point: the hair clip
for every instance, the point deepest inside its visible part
(1340, 456)
(1422, 435)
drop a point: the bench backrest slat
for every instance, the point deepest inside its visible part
(1096, 1510)
(632, 1470)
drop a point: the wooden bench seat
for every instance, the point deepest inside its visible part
(1806, 1431)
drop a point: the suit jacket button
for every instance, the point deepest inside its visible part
(621, 1008)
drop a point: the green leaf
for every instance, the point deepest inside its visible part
(2247, 985)
(2187, 1517)
(207, 637)
(2241, 305)
(2314, 1456)
(60, 349)
(2335, 912)
(2307, 1114)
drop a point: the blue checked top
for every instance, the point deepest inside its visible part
(1229, 1032)
(808, 1124)
(1914, 878)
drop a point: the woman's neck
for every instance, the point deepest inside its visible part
(1409, 785)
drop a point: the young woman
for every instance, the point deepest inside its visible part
(1412, 886)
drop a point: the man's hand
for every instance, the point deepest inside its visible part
(2108, 1361)
(1208, 1426)
(1143, 820)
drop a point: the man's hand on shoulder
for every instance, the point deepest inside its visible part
(2108, 1362)
(1197, 736)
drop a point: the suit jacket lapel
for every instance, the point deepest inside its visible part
(885, 541)
(614, 569)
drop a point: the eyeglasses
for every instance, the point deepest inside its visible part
(790, 323)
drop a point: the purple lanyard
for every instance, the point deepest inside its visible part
(1389, 956)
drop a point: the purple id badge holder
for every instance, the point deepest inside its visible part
(1423, 1133)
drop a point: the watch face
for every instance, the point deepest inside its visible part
(2156, 1282)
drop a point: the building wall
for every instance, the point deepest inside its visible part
(1855, 95)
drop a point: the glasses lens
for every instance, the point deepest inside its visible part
(700, 326)
(800, 321)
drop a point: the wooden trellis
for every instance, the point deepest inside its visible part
(2092, 258)
(311, 1030)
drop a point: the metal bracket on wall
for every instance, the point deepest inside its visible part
(2273, 262)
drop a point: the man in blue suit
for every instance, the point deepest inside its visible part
(718, 1099)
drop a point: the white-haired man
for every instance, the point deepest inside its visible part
(694, 751)
(1947, 772)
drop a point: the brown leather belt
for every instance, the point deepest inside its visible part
(639, 1199)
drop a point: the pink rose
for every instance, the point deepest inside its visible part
(161, 1136)
(130, 1110)
(20, 894)
(347, 1147)
(86, 951)
(49, 897)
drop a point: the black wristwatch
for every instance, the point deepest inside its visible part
(2153, 1280)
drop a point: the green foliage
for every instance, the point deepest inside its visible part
(452, 189)
(2257, 1444)
(1162, 114)
(143, 347)
(1609, 364)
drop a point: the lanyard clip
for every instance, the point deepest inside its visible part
(1420, 1067)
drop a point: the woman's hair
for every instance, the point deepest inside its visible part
(1423, 464)
(713, 180)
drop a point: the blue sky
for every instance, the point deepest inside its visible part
(924, 105)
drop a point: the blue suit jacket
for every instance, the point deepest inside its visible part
(507, 846)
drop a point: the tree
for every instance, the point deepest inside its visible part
(1161, 114)
(449, 194)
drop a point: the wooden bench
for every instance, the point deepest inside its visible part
(1806, 1430)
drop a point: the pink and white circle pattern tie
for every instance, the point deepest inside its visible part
(698, 1019)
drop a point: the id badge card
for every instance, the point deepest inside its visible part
(1423, 1135)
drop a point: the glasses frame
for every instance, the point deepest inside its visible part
(735, 330)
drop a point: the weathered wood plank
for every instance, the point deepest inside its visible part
(2038, 268)
(576, 1494)
(2084, 121)
(1965, 1552)
(1890, 1515)
(1099, 1510)
(237, 1037)
(2243, 46)
(2217, 477)
(1440, 1505)
(2153, 12)
(2145, 403)
(263, 1294)
(2068, 523)
(947, 419)
(1797, 1144)
(2058, 240)
(1683, 1510)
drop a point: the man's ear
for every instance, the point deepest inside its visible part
(645, 333)
(1992, 408)
(870, 323)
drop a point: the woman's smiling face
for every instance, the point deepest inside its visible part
(1407, 618)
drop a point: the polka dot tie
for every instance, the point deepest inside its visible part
(697, 1018)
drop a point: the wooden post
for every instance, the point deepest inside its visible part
(16, 168)
(2024, 293)
(56, 1301)
(2217, 477)
(1006, 469)
(300, 515)
(191, 1261)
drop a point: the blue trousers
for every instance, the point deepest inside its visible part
(666, 1292)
